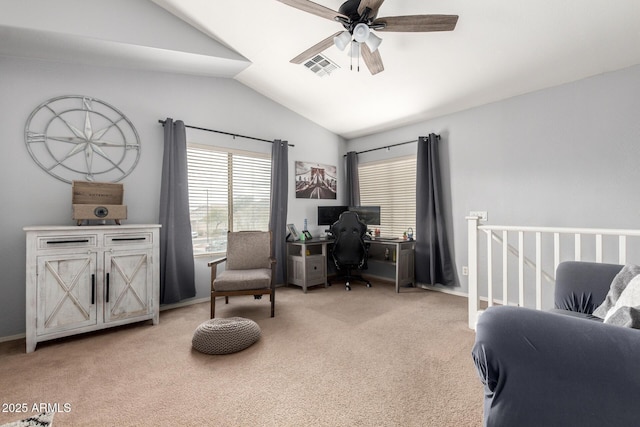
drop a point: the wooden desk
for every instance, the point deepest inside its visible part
(307, 261)
(400, 263)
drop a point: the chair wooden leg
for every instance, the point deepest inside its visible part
(226, 300)
(213, 306)
(272, 297)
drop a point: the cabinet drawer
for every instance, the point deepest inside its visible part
(315, 268)
(68, 241)
(127, 239)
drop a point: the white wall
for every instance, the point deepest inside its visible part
(32, 197)
(564, 156)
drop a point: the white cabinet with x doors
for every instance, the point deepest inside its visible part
(85, 278)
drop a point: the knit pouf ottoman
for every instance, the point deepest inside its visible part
(224, 336)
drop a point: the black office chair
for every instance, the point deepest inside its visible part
(349, 249)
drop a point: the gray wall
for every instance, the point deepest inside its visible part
(32, 197)
(564, 156)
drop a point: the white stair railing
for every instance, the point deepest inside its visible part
(499, 234)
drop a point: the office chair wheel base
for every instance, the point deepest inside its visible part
(348, 287)
(257, 296)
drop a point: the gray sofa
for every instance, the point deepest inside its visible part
(562, 367)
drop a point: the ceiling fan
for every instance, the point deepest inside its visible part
(359, 17)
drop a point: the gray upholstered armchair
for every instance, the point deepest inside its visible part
(562, 367)
(249, 270)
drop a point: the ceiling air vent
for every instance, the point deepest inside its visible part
(321, 65)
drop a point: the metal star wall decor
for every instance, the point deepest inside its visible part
(77, 137)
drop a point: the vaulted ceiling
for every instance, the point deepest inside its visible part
(498, 49)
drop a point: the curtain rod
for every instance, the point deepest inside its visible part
(227, 133)
(386, 147)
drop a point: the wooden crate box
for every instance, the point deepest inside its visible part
(98, 201)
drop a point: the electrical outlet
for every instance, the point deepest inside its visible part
(465, 270)
(482, 215)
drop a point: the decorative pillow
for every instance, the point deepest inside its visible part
(618, 285)
(626, 311)
(629, 317)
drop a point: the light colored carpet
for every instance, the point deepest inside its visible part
(369, 357)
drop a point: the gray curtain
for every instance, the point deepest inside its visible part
(177, 280)
(279, 199)
(353, 180)
(434, 263)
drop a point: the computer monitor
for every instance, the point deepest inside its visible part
(370, 215)
(327, 215)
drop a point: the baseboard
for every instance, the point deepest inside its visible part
(454, 292)
(443, 290)
(12, 337)
(184, 303)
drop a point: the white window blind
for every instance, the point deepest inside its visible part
(228, 191)
(390, 184)
(251, 192)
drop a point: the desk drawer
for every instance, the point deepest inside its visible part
(315, 268)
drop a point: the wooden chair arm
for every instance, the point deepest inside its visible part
(216, 261)
(214, 268)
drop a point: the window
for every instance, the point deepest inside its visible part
(229, 190)
(390, 184)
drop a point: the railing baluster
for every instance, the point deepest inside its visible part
(578, 247)
(489, 268)
(521, 268)
(622, 250)
(505, 268)
(538, 271)
(556, 253)
(598, 247)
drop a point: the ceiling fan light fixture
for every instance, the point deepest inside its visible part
(373, 42)
(361, 32)
(360, 19)
(342, 40)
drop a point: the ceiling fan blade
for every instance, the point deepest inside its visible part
(374, 5)
(313, 8)
(315, 49)
(372, 59)
(417, 23)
